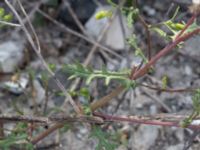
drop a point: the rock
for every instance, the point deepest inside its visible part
(191, 47)
(83, 10)
(122, 147)
(175, 147)
(40, 92)
(150, 11)
(144, 137)
(16, 87)
(11, 56)
(114, 36)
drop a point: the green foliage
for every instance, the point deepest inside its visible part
(196, 101)
(65, 128)
(18, 138)
(7, 17)
(103, 14)
(112, 3)
(78, 70)
(132, 41)
(132, 14)
(128, 10)
(174, 27)
(84, 92)
(104, 139)
(164, 81)
(52, 67)
(196, 109)
(140, 54)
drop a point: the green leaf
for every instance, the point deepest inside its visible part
(89, 79)
(52, 67)
(87, 110)
(159, 31)
(104, 141)
(103, 14)
(196, 101)
(8, 17)
(164, 81)
(107, 80)
(196, 109)
(72, 77)
(140, 54)
(89, 74)
(85, 93)
(112, 3)
(175, 13)
(132, 15)
(2, 12)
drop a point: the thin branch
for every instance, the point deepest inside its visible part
(169, 120)
(30, 25)
(106, 99)
(169, 90)
(49, 120)
(74, 16)
(10, 24)
(46, 133)
(149, 45)
(192, 19)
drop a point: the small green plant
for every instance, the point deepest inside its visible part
(78, 70)
(18, 138)
(196, 109)
(104, 139)
(6, 17)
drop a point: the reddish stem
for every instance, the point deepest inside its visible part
(146, 120)
(190, 21)
(163, 52)
(168, 48)
(168, 89)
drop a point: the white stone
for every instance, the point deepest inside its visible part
(188, 70)
(40, 92)
(114, 36)
(16, 87)
(144, 137)
(196, 1)
(11, 55)
(176, 147)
